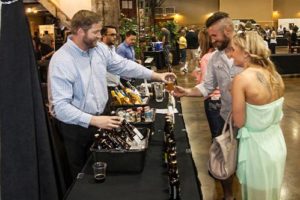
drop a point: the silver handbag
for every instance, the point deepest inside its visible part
(223, 153)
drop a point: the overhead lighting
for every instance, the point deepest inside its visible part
(28, 10)
(275, 14)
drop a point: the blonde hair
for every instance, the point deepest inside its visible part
(259, 54)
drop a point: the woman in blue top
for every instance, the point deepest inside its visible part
(257, 95)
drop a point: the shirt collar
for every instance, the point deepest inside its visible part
(74, 46)
(228, 60)
(127, 45)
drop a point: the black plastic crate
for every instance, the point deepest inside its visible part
(123, 161)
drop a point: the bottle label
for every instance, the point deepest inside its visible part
(138, 133)
(137, 139)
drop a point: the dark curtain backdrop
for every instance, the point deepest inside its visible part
(27, 167)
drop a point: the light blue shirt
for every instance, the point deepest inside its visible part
(112, 79)
(126, 51)
(77, 84)
(220, 71)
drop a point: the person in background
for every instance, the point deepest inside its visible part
(241, 28)
(46, 51)
(273, 41)
(77, 86)
(294, 36)
(47, 39)
(182, 46)
(109, 37)
(212, 104)
(192, 49)
(36, 44)
(280, 30)
(126, 48)
(219, 73)
(166, 40)
(257, 100)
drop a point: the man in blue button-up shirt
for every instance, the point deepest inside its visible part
(126, 48)
(78, 88)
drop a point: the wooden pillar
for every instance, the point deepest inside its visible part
(109, 10)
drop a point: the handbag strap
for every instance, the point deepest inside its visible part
(228, 122)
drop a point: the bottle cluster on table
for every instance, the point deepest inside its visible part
(170, 159)
(137, 114)
(122, 95)
(126, 137)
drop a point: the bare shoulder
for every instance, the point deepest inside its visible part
(243, 78)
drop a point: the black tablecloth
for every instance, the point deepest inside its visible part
(158, 56)
(152, 183)
(286, 63)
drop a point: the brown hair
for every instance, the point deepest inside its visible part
(216, 17)
(205, 42)
(259, 54)
(84, 19)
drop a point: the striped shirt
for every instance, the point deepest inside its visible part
(77, 84)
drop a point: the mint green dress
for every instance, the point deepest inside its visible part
(262, 152)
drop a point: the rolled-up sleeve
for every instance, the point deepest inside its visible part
(118, 65)
(210, 81)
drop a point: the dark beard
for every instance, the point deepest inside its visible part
(224, 44)
(90, 44)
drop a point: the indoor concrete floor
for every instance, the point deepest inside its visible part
(200, 139)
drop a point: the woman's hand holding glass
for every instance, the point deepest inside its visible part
(179, 91)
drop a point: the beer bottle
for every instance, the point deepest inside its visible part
(114, 141)
(133, 88)
(121, 141)
(96, 141)
(132, 130)
(174, 189)
(129, 133)
(105, 144)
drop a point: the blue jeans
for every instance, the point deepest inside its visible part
(182, 55)
(215, 121)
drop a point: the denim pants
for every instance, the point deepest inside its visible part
(215, 121)
(182, 55)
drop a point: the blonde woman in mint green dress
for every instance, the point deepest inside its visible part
(257, 98)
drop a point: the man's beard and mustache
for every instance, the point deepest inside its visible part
(89, 42)
(110, 43)
(222, 45)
